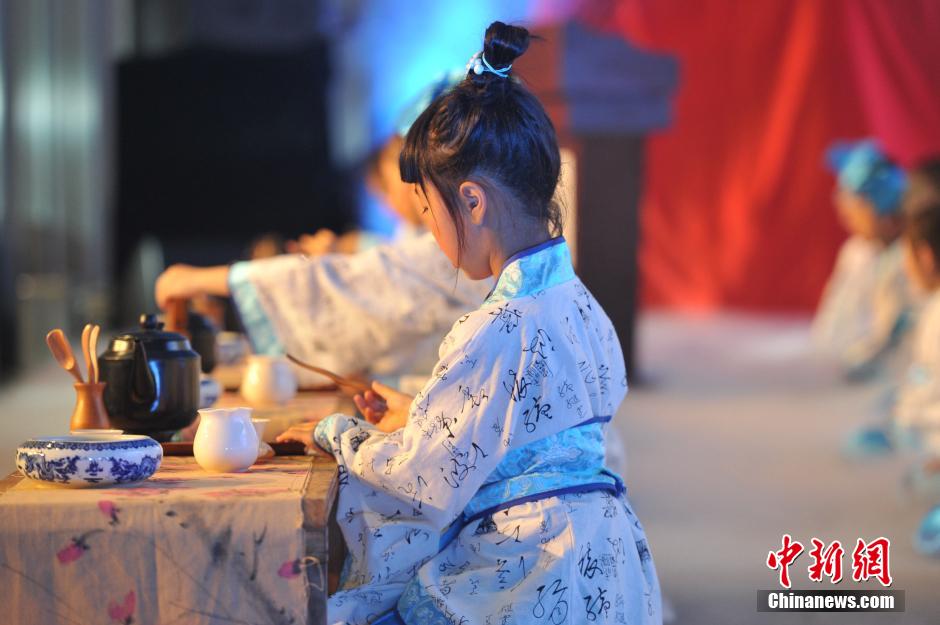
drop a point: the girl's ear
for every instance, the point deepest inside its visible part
(473, 198)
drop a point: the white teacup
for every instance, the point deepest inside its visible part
(269, 380)
(226, 440)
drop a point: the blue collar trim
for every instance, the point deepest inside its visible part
(535, 249)
(533, 270)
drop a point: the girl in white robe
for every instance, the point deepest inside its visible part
(865, 308)
(484, 499)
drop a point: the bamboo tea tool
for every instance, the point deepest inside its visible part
(341, 381)
(62, 352)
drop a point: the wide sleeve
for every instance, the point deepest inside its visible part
(890, 318)
(344, 311)
(845, 308)
(488, 394)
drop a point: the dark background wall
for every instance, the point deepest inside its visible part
(228, 141)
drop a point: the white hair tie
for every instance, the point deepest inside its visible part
(479, 64)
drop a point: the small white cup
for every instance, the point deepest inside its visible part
(226, 440)
(269, 380)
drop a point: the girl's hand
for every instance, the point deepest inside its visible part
(177, 282)
(384, 406)
(303, 433)
(186, 282)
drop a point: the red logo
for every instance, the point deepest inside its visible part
(826, 562)
(784, 558)
(869, 560)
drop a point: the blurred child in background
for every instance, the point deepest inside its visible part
(865, 305)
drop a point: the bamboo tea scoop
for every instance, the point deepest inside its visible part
(340, 380)
(86, 351)
(93, 344)
(62, 352)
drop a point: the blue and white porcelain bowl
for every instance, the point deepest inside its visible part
(87, 460)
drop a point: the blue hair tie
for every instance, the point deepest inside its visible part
(862, 167)
(478, 64)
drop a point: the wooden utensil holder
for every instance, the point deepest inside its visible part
(89, 413)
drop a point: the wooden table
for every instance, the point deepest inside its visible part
(185, 547)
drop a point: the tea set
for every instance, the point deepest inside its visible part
(147, 385)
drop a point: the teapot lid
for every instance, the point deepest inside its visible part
(152, 336)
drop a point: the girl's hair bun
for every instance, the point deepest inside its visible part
(488, 128)
(504, 43)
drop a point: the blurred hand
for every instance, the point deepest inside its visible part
(385, 407)
(186, 282)
(348, 243)
(323, 241)
(303, 433)
(177, 282)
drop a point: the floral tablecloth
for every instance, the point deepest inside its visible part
(185, 547)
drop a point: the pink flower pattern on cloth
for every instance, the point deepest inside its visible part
(123, 612)
(109, 510)
(71, 553)
(76, 548)
(167, 534)
(289, 569)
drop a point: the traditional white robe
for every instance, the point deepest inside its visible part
(503, 449)
(865, 307)
(917, 411)
(346, 312)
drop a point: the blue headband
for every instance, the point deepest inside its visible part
(863, 168)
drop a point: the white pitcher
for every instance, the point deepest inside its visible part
(226, 441)
(268, 380)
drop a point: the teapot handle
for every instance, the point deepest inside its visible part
(143, 386)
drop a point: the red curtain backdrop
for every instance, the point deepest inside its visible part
(737, 210)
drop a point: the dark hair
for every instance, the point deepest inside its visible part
(922, 225)
(923, 184)
(492, 130)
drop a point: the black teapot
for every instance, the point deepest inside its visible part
(152, 381)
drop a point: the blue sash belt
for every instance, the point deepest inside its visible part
(616, 489)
